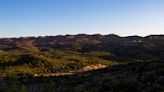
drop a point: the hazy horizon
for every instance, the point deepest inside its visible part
(22, 18)
(73, 34)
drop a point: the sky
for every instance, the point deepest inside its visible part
(60, 17)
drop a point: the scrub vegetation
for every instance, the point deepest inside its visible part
(82, 63)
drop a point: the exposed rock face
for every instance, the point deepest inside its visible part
(84, 69)
(93, 67)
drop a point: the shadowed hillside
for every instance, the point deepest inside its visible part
(132, 77)
(135, 47)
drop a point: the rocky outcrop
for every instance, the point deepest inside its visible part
(93, 67)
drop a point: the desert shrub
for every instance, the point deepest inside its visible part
(127, 85)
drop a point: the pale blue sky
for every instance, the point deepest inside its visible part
(54, 17)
